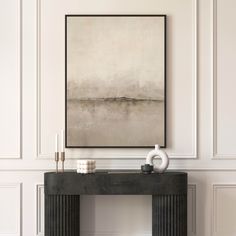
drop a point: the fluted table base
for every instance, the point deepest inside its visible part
(169, 215)
(62, 215)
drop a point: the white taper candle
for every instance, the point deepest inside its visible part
(62, 141)
(56, 143)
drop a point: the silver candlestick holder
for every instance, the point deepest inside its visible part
(56, 160)
(62, 160)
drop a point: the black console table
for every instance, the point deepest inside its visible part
(63, 190)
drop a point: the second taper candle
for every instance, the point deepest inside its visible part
(56, 143)
(62, 141)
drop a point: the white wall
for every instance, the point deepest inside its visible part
(201, 115)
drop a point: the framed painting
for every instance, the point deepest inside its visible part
(115, 73)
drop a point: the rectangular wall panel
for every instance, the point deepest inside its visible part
(10, 213)
(192, 209)
(224, 209)
(10, 74)
(224, 83)
(40, 209)
(181, 78)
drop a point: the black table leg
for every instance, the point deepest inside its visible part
(62, 215)
(169, 215)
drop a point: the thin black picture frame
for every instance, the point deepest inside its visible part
(165, 75)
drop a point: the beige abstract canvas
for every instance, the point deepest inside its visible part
(115, 81)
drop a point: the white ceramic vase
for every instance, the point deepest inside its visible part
(160, 153)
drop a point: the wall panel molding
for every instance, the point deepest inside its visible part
(18, 194)
(38, 84)
(19, 53)
(214, 96)
(39, 209)
(109, 154)
(215, 154)
(192, 225)
(215, 213)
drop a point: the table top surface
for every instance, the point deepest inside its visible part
(114, 172)
(115, 182)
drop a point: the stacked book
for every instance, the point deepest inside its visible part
(86, 166)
